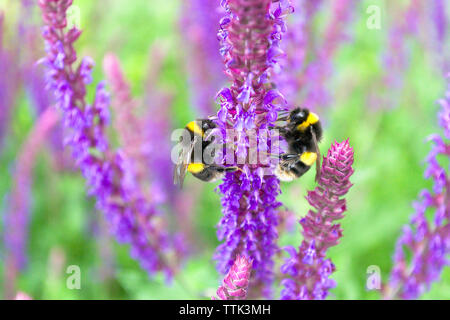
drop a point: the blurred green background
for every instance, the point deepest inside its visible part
(389, 146)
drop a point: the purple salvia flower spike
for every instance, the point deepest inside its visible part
(309, 269)
(396, 57)
(439, 12)
(9, 82)
(317, 73)
(18, 212)
(204, 63)
(439, 16)
(144, 137)
(251, 30)
(111, 176)
(298, 78)
(235, 284)
(428, 242)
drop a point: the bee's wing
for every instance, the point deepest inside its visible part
(319, 157)
(179, 173)
(289, 163)
(183, 161)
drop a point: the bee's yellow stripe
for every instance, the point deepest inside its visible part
(196, 167)
(195, 128)
(308, 158)
(312, 119)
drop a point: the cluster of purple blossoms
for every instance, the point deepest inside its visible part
(126, 122)
(423, 250)
(204, 64)
(157, 132)
(35, 86)
(396, 57)
(318, 72)
(19, 71)
(9, 83)
(17, 214)
(250, 34)
(144, 135)
(235, 284)
(159, 129)
(303, 77)
(440, 21)
(110, 176)
(308, 268)
(440, 31)
(407, 26)
(297, 45)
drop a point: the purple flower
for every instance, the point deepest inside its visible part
(396, 57)
(111, 176)
(157, 131)
(440, 21)
(297, 46)
(158, 127)
(144, 137)
(426, 242)
(308, 268)
(35, 85)
(304, 80)
(317, 73)
(18, 211)
(200, 19)
(250, 35)
(9, 83)
(235, 284)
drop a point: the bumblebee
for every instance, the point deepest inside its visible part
(302, 132)
(189, 161)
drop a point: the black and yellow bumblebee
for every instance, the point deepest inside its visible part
(189, 161)
(302, 132)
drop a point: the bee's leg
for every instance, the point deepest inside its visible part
(273, 155)
(230, 169)
(289, 156)
(222, 169)
(282, 130)
(284, 112)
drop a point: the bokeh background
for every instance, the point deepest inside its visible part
(386, 112)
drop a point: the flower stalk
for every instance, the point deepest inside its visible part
(250, 35)
(308, 269)
(18, 213)
(235, 284)
(204, 65)
(423, 249)
(110, 175)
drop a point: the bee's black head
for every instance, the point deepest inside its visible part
(299, 116)
(208, 124)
